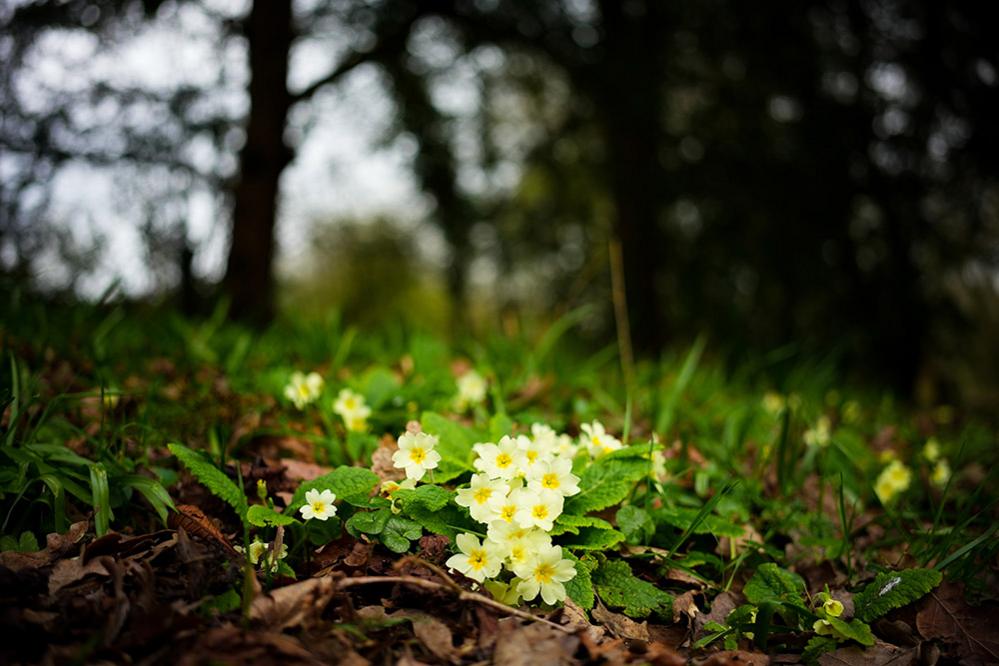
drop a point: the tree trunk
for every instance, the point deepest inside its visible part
(249, 278)
(628, 93)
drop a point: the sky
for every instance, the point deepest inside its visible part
(343, 167)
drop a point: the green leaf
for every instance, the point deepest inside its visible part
(771, 583)
(154, 493)
(593, 538)
(429, 497)
(816, 647)
(636, 524)
(352, 485)
(894, 589)
(449, 521)
(580, 588)
(499, 425)
(211, 477)
(27, 543)
(605, 483)
(683, 518)
(569, 522)
(855, 629)
(102, 498)
(264, 516)
(378, 386)
(618, 587)
(454, 443)
(399, 532)
(368, 522)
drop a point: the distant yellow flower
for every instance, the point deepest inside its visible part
(471, 390)
(894, 479)
(941, 473)
(303, 389)
(931, 451)
(773, 402)
(820, 434)
(416, 454)
(319, 505)
(851, 411)
(352, 409)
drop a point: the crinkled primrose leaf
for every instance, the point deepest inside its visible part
(352, 485)
(605, 483)
(620, 588)
(771, 583)
(894, 589)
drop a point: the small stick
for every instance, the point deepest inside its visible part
(462, 595)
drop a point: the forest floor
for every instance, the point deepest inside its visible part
(171, 492)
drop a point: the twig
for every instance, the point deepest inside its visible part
(462, 595)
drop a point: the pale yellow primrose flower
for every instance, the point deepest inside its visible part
(552, 442)
(537, 509)
(931, 451)
(319, 505)
(477, 561)
(483, 497)
(851, 411)
(499, 461)
(303, 389)
(941, 473)
(555, 475)
(597, 440)
(352, 409)
(471, 390)
(773, 402)
(258, 549)
(819, 435)
(416, 454)
(505, 593)
(517, 544)
(894, 479)
(545, 574)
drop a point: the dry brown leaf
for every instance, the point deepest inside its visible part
(193, 521)
(532, 644)
(619, 625)
(299, 604)
(734, 658)
(382, 463)
(721, 606)
(431, 632)
(232, 646)
(296, 470)
(946, 616)
(879, 654)
(684, 605)
(67, 572)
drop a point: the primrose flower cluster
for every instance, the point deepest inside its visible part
(518, 493)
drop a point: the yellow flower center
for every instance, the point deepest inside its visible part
(504, 460)
(550, 481)
(507, 512)
(318, 507)
(418, 454)
(532, 456)
(303, 390)
(544, 573)
(518, 553)
(540, 511)
(477, 559)
(596, 440)
(482, 495)
(350, 403)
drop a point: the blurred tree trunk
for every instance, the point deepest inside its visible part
(249, 278)
(627, 91)
(437, 172)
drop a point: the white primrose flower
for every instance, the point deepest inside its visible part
(352, 409)
(416, 454)
(819, 435)
(538, 509)
(483, 497)
(319, 505)
(471, 390)
(533, 454)
(505, 593)
(546, 574)
(552, 442)
(518, 544)
(259, 549)
(555, 475)
(476, 560)
(303, 389)
(499, 461)
(597, 440)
